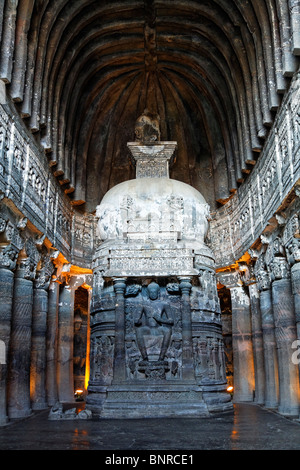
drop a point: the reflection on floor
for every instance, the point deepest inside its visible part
(248, 427)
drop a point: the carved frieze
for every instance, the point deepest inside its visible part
(279, 268)
(8, 257)
(162, 262)
(26, 179)
(229, 279)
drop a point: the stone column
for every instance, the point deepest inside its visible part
(257, 340)
(7, 264)
(285, 334)
(269, 345)
(38, 342)
(119, 351)
(291, 241)
(51, 343)
(65, 345)
(243, 361)
(295, 279)
(292, 246)
(187, 341)
(268, 329)
(19, 405)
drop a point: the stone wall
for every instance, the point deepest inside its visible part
(238, 224)
(27, 182)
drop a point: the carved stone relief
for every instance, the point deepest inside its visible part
(152, 332)
(102, 349)
(209, 358)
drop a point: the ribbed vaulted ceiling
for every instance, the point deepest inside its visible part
(82, 71)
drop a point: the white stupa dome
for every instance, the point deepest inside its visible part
(141, 207)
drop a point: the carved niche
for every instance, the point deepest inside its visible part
(153, 331)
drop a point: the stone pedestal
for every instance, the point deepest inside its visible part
(119, 352)
(285, 334)
(270, 352)
(6, 296)
(19, 405)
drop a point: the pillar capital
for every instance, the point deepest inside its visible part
(8, 257)
(44, 273)
(185, 284)
(261, 273)
(279, 268)
(25, 268)
(119, 284)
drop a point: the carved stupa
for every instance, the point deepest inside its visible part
(156, 338)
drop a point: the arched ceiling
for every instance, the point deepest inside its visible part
(82, 71)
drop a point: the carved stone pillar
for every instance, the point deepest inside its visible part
(65, 344)
(119, 352)
(285, 334)
(38, 341)
(291, 242)
(258, 349)
(19, 405)
(295, 279)
(187, 341)
(292, 245)
(7, 264)
(51, 343)
(243, 362)
(269, 343)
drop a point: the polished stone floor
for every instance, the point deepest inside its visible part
(248, 427)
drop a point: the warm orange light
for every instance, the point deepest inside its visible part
(230, 389)
(88, 347)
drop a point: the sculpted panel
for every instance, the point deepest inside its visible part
(153, 339)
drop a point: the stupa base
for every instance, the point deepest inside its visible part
(157, 401)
